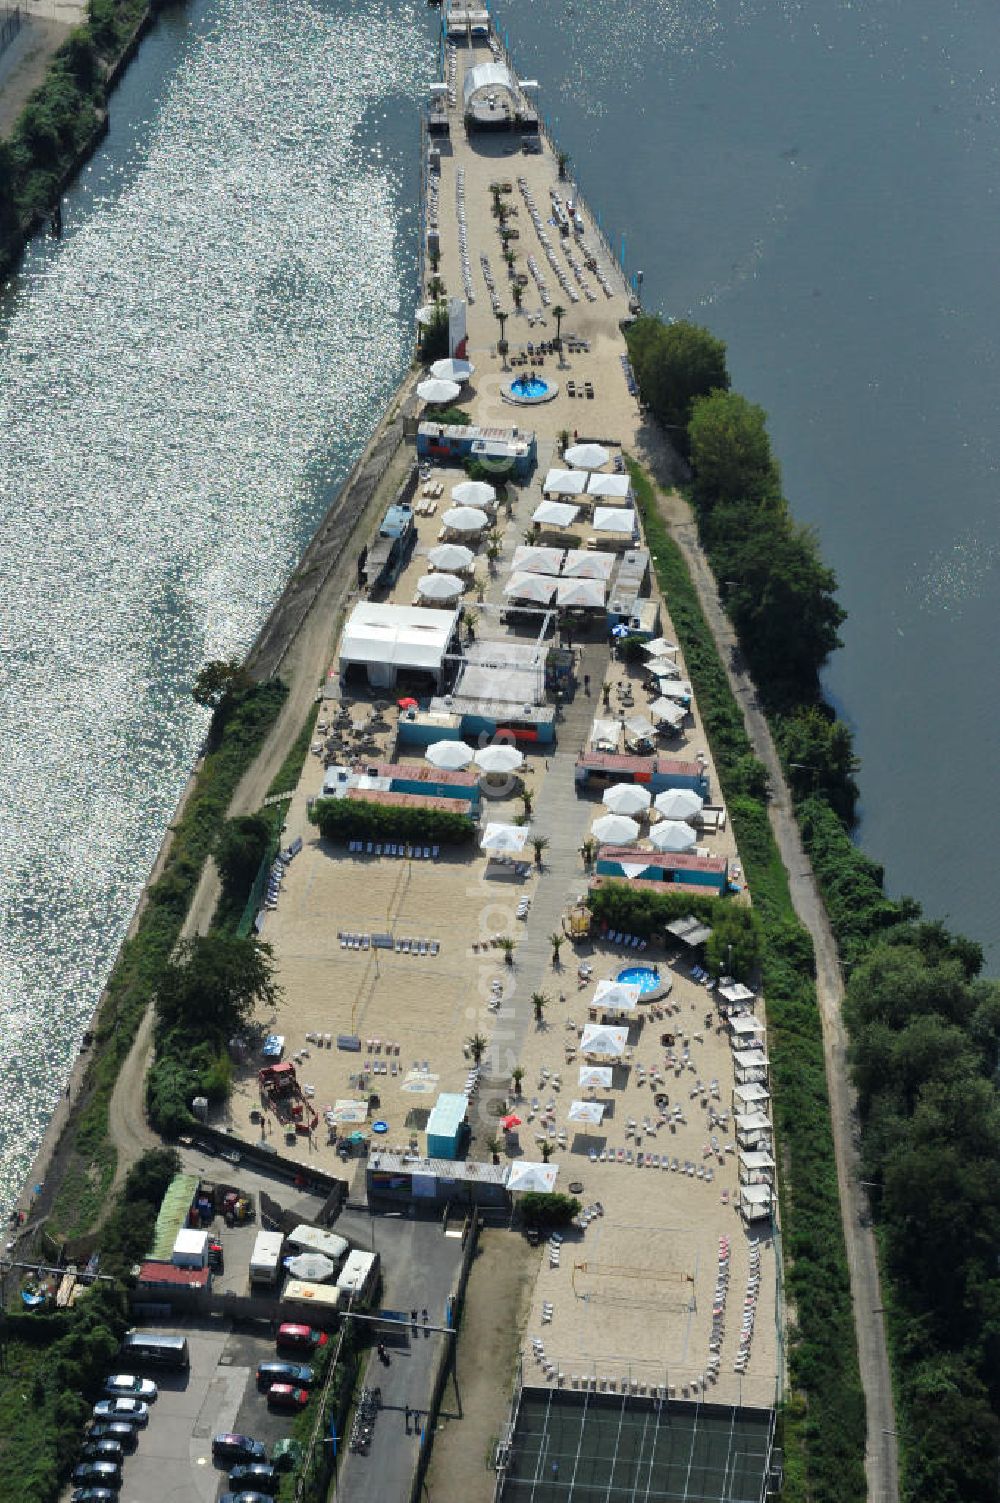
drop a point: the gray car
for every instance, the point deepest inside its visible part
(129, 1411)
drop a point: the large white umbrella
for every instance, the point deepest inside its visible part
(592, 1076)
(534, 1178)
(555, 514)
(678, 803)
(581, 594)
(474, 493)
(450, 756)
(587, 456)
(668, 710)
(582, 564)
(672, 835)
(504, 840)
(603, 1040)
(536, 587)
(659, 647)
(452, 370)
(618, 520)
(626, 798)
(499, 758)
(613, 487)
(451, 556)
(464, 519)
(591, 1112)
(564, 483)
(438, 391)
(531, 558)
(314, 1267)
(439, 586)
(663, 668)
(616, 829)
(617, 996)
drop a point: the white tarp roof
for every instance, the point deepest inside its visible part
(615, 487)
(555, 514)
(585, 1111)
(617, 996)
(593, 1076)
(659, 647)
(581, 563)
(615, 829)
(674, 688)
(605, 732)
(756, 1195)
(531, 559)
(757, 1159)
(587, 456)
(586, 593)
(735, 991)
(439, 586)
(486, 76)
(316, 1239)
(753, 1122)
(505, 840)
(668, 710)
(601, 1039)
(617, 519)
(539, 1178)
(744, 1023)
(564, 483)
(751, 1059)
(751, 1092)
(662, 668)
(639, 728)
(538, 588)
(405, 636)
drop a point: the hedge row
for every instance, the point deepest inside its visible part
(824, 1418)
(341, 819)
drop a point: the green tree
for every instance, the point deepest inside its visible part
(540, 844)
(434, 339)
(818, 753)
(556, 940)
(477, 1046)
(730, 450)
(539, 1002)
(559, 313)
(220, 682)
(151, 1174)
(214, 984)
(675, 363)
(517, 293)
(240, 847)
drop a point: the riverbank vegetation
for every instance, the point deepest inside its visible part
(924, 1024)
(237, 734)
(734, 945)
(62, 120)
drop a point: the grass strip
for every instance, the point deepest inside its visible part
(823, 1418)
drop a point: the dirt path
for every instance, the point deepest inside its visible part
(497, 1301)
(881, 1462)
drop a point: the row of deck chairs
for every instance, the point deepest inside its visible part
(630, 941)
(387, 848)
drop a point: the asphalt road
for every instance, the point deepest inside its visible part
(881, 1460)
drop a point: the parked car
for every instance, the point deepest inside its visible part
(127, 1385)
(245, 1498)
(98, 1474)
(104, 1449)
(129, 1411)
(254, 1476)
(119, 1430)
(284, 1372)
(94, 1495)
(216, 1257)
(302, 1337)
(285, 1396)
(238, 1448)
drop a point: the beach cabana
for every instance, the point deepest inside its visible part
(617, 996)
(603, 1041)
(590, 1112)
(660, 648)
(587, 456)
(555, 514)
(454, 557)
(538, 588)
(474, 493)
(594, 1077)
(449, 756)
(626, 798)
(668, 712)
(504, 840)
(564, 483)
(581, 594)
(619, 521)
(439, 586)
(534, 1179)
(678, 803)
(437, 392)
(464, 519)
(672, 835)
(615, 829)
(452, 370)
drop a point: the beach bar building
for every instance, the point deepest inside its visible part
(598, 769)
(453, 443)
(680, 869)
(381, 642)
(446, 1126)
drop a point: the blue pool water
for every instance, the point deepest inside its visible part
(529, 386)
(646, 977)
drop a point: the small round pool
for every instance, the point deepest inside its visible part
(529, 390)
(647, 979)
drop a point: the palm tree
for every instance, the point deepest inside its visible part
(435, 289)
(494, 1145)
(506, 944)
(502, 345)
(470, 617)
(563, 160)
(517, 293)
(477, 1046)
(558, 313)
(540, 1001)
(546, 1152)
(494, 546)
(539, 842)
(588, 850)
(528, 800)
(606, 694)
(556, 940)
(517, 1075)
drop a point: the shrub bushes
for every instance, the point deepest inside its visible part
(341, 819)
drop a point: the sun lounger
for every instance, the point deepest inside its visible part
(435, 947)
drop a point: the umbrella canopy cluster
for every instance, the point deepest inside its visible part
(587, 456)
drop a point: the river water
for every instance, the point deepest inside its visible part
(184, 380)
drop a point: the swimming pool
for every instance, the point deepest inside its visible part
(529, 390)
(647, 979)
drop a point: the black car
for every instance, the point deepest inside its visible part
(238, 1448)
(98, 1474)
(297, 1373)
(103, 1450)
(245, 1498)
(254, 1476)
(94, 1495)
(117, 1430)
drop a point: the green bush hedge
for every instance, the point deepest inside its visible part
(824, 1423)
(341, 819)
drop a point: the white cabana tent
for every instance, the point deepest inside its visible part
(452, 370)
(672, 835)
(751, 1094)
(662, 668)
(755, 1202)
(744, 1025)
(638, 728)
(564, 483)
(451, 556)
(532, 558)
(590, 1112)
(538, 588)
(583, 564)
(490, 76)
(751, 1063)
(617, 996)
(526, 1178)
(660, 648)
(664, 710)
(735, 992)
(679, 803)
(587, 456)
(615, 829)
(752, 1123)
(436, 392)
(555, 514)
(618, 520)
(603, 1041)
(385, 639)
(677, 689)
(593, 1076)
(464, 519)
(505, 840)
(626, 798)
(499, 758)
(314, 1267)
(756, 1161)
(605, 735)
(450, 756)
(474, 493)
(439, 586)
(611, 487)
(581, 594)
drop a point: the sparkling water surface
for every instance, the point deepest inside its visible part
(184, 380)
